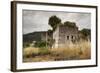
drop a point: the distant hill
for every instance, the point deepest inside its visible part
(34, 36)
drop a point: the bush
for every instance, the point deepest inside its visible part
(44, 51)
(70, 24)
(41, 44)
(26, 45)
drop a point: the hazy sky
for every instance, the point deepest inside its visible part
(38, 20)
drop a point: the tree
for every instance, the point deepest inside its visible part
(70, 24)
(86, 32)
(51, 41)
(50, 32)
(54, 21)
(40, 44)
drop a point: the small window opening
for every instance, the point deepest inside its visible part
(72, 37)
(67, 37)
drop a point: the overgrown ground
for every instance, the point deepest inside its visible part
(79, 51)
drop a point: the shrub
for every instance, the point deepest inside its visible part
(44, 51)
(26, 45)
(40, 44)
(70, 24)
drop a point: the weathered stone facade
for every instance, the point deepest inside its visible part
(64, 35)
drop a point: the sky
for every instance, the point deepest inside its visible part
(38, 20)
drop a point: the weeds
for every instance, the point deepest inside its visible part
(78, 51)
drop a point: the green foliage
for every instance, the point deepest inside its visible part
(54, 21)
(70, 24)
(44, 51)
(26, 45)
(86, 32)
(50, 32)
(40, 44)
(50, 42)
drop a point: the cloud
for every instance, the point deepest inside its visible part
(38, 20)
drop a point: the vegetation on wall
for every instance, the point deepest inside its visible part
(70, 24)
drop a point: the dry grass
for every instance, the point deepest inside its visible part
(81, 50)
(27, 52)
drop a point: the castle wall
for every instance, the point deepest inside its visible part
(65, 35)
